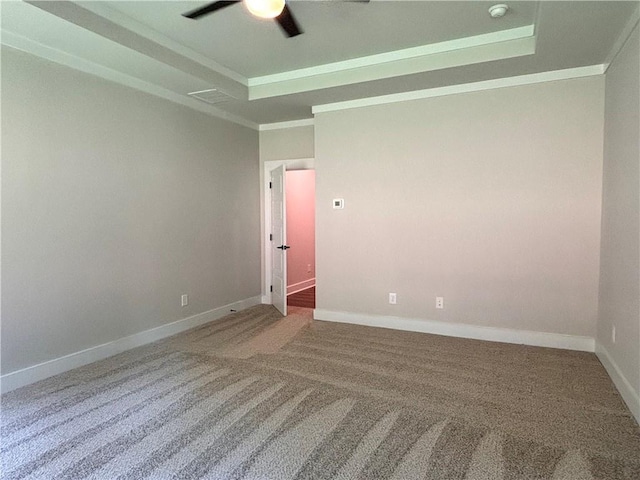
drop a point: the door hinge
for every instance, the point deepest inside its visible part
(270, 185)
(271, 237)
(271, 289)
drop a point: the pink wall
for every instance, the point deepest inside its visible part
(301, 230)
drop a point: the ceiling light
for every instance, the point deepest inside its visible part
(498, 11)
(265, 8)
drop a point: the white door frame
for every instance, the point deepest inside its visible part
(265, 200)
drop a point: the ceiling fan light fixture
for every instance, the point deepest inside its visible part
(265, 8)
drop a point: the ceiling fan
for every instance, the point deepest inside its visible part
(276, 9)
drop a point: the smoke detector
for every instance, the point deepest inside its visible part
(498, 11)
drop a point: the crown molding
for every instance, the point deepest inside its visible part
(396, 55)
(292, 124)
(456, 53)
(119, 18)
(113, 31)
(464, 88)
(27, 45)
(620, 42)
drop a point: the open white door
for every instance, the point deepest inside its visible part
(278, 240)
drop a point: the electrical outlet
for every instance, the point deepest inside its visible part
(613, 334)
(308, 268)
(392, 298)
(440, 302)
(184, 300)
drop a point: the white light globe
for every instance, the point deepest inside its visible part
(265, 8)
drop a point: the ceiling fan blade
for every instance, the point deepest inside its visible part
(288, 23)
(209, 8)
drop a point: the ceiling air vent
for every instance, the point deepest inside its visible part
(212, 96)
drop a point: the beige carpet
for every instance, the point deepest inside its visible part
(258, 396)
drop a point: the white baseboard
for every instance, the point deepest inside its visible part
(506, 335)
(298, 287)
(35, 373)
(628, 394)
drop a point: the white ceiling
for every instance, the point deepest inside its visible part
(349, 50)
(333, 31)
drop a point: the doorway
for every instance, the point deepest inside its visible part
(301, 258)
(271, 258)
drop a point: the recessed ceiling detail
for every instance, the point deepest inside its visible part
(349, 52)
(454, 53)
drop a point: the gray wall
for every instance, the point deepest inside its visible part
(286, 143)
(490, 199)
(114, 204)
(620, 266)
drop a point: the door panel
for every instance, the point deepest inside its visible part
(279, 239)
